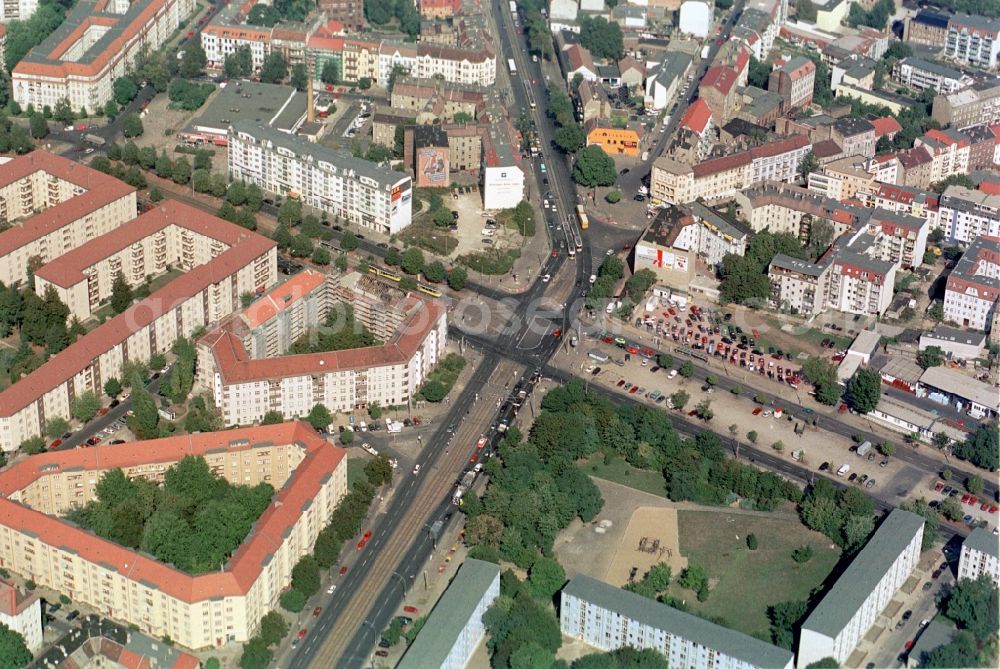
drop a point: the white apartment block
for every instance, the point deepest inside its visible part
(250, 374)
(920, 74)
(219, 40)
(966, 215)
(980, 556)
(973, 288)
(973, 40)
(55, 205)
(212, 609)
(851, 607)
(949, 151)
(799, 285)
(609, 618)
(356, 190)
(455, 627)
(203, 295)
(778, 161)
(98, 42)
(22, 10)
(904, 200)
(22, 613)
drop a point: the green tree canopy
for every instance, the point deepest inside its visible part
(593, 167)
(602, 38)
(863, 390)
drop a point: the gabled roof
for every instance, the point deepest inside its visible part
(720, 78)
(697, 117)
(885, 125)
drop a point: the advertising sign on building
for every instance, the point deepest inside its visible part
(432, 167)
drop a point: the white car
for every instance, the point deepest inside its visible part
(546, 278)
(610, 252)
(416, 470)
(330, 590)
(593, 278)
(545, 203)
(369, 449)
(672, 374)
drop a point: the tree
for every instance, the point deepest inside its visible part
(273, 628)
(887, 448)
(704, 410)
(936, 310)
(665, 360)
(752, 542)
(379, 471)
(14, 654)
(863, 390)
(132, 126)
(121, 294)
(290, 212)
(593, 167)
(570, 138)
(973, 606)
(823, 376)
(181, 172)
(321, 256)
(193, 60)
(63, 112)
(435, 272)
(932, 356)
(145, 417)
(687, 369)
(974, 484)
(961, 651)
(802, 554)
(330, 73)
(760, 72)
(951, 509)
(125, 90)
(256, 654)
(981, 447)
(32, 445)
(349, 242)
(38, 126)
(300, 78)
(457, 278)
(239, 63)
(305, 576)
(274, 68)
(85, 406)
(292, 600)
(412, 261)
(679, 399)
(808, 165)
(55, 427)
(752, 436)
(346, 437)
(601, 38)
(825, 663)
(931, 521)
(546, 577)
(272, 417)
(341, 263)
(805, 11)
(320, 418)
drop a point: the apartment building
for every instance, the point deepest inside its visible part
(455, 626)
(914, 167)
(849, 609)
(53, 205)
(778, 161)
(21, 612)
(856, 136)
(697, 120)
(920, 74)
(202, 295)
(980, 555)
(927, 27)
(899, 238)
(607, 617)
(719, 91)
(798, 285)
(973, 287)
(949, 151)
(356, 190)
(780, 207)
(245, 359)
(434, 99)
(212, 609)
(349, 13)
(22, 10)
(982, 146)
(680, 235)
(860, 281)
(965, 214)
(98, 42)
(977, 105)
(973, 40)
(841, 179)
(904, 200)
(794, 81)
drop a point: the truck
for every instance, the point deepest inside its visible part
(843, 470)
(463, 487)
(94, 139)
(864, 448)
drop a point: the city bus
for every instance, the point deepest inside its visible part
(527, 92)
(582, 214)
(512, 66)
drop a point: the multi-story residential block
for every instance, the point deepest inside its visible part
(980, 556)
(841, 179)
(98, 42)
(780, 207)
(757, 27)
(855, 71)
(718, 89)
(949, 151)
(927, 27)
(973, 40)
(455, 627)
(663, 81)
(778, 161)
(860, 281)
(609, 618)
(983, 145)
(899, 238)
(914, 167)
(53, 205)
(680, 235)
(977, 105)
(250, 374)
(22, 10)
(212, 609)
(921, 74)
(904, 200)
(798, 285)
(203, 294)
(965, 215)
(349, 13)
(852, 605)
(794, 81)
(22, 613)
(697, 120)
(358, 191)
(973, 287)
(856, 136)
(437, 100)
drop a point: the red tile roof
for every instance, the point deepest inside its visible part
(735, 160)
(12, 601)
(321, 458)
(697, 116)
(721, 78)
(100, 189)
(886, 125)
(79, 355)
(282, 297)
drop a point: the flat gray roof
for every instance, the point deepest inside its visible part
(984, 542)
(796, 265)
(945, 333)
(867, 568)
(933, 68)
(304, 148)
(275, 105)
(650, 612)
(450, 615)
(966, 387)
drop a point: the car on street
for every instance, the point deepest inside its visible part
(416, 469)
(317, 611)
(343, 570)
(364, 539)
(302, 634)
(546, 278)
(330, 590)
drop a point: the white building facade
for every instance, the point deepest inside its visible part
(851, 607)
(22, 613)
(979, 556)
(965, 215)
(367, 195)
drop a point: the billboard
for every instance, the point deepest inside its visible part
(432, 167)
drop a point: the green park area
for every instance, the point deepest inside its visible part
(617, 470)
(744, 583)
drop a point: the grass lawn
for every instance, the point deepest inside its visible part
(355, 471)
(622, 472)
(424, 234)
(744, 582)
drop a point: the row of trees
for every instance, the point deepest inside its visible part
(569, 134)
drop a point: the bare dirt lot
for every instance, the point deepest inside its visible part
(651, 537)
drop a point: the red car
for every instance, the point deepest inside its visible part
(938, 487)
(343, 570)
(364, 539)
(965, 498)
(555, 253)
(410, 609)
(648, 352)
(634, 390)
(973, 500)
(316, 611)
(985, 506)
(621, 382)
(632, 349)
(481, 443)
(474, 458)
(608, 340)
(557, 332)
(993, 508)
(756, 411)
(56, 443)
(302, 633)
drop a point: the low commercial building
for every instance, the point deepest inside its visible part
(909, 419)
(202, 295)
(854, 603)
(949, 386)
(277, 106)
(608, 618)
(455, 627)
(356, 190)
(957, 344)
(53, 205)
(980, 555)
(920, 74)
(212, 609)
(973, 287)
(98, 42)
(246, 363)
(502, 175)
(98, 642)
(614, 141)
(965, 215)
(680, 235)
(21, 612)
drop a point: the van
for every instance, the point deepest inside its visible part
(843, 470)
